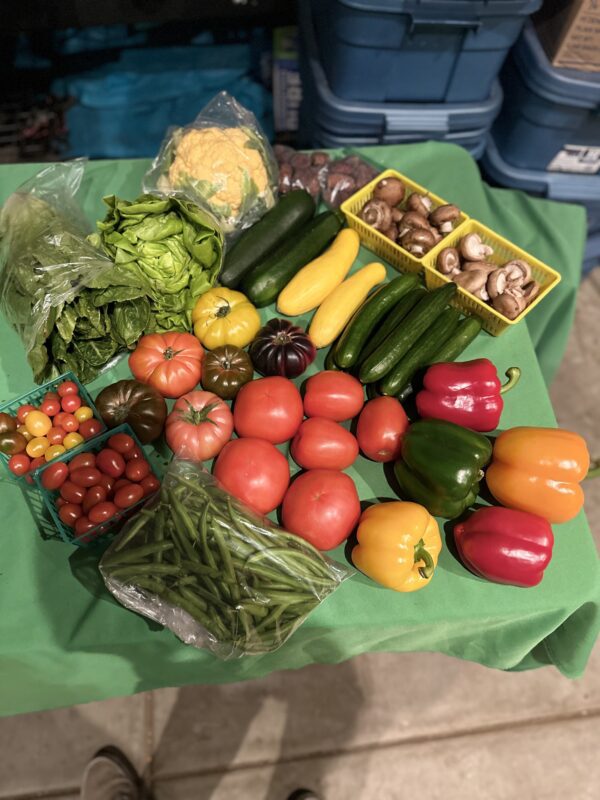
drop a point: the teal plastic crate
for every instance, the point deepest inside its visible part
(104, 530)
(35, 397)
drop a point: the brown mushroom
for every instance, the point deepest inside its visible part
(436, 235)
(444, 217)
(467, 266)
(418, 241)
(473, 282)
(377, 214)
(472, 248)
(419, 203)
(397, 214)
(412, 219)
(509, 304)
(391, 232)
(448, 261)
(523, 267)
(530, 291)
(389, 189)
(497, 282)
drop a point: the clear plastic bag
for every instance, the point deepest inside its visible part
(298, 170)
(345, 176)
(222, 161)
(199, 562)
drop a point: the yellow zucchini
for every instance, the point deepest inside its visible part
(309, 287)
(335, 311)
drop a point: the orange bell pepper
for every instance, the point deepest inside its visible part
(398, 545)
(539, 470)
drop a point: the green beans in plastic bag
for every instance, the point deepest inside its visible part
(201, 563)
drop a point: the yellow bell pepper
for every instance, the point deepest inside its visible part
(224, 316)
(398, 545)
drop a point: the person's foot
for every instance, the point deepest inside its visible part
(111, 776)
(303, 794)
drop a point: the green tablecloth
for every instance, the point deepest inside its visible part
(65, 641)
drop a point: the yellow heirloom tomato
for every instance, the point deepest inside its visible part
(224, 316)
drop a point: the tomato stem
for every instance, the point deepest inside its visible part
(196, 416)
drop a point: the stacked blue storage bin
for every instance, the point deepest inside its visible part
(547, 137)
(327, 120)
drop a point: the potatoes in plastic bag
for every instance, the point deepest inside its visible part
(220, 577)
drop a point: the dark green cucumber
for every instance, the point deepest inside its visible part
(373, 391)
(392, 320)
(412, 327)
(276, 227)
(422, 350)
(466, 331)
(330, 359)
(267, 278)
(361, 325)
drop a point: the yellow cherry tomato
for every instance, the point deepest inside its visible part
(224, 316)
(23, 430)
(72, 440)
(83, 413)
(53, 451)
(38, 423)
(37, 447)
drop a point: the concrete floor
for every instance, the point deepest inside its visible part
(395, 726)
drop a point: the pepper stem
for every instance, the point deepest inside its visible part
(423, 554)
(594, 470)
(513, 374)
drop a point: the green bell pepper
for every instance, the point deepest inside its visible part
(441, 466)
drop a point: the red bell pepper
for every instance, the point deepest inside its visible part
(467, 393)
(505, 546)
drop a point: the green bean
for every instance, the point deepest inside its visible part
(200, 569)
(135, 528)
(159, 532)
(289, 598)
(184, 518)
(227, 565)
(181, 541)
(256, 609)
(130, 571)
(204, 546)
(283, 558)
(137, 553)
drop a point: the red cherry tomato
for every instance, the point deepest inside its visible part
(72, 493)
(70, 403)
(102, 511)
(381, 426)
(54, 476)
(83, 526)
(56, 435)
(108, 483)
(332, 394)
(323, 444)
(137, 469)
(69, 514)
(254, 471)
(135, 452)
(90, 428)
(120, 483)
(50, 407)
(85, 476)
(67, 387)
(52, 396)
(93, 496)
(66, 421)
(122, 443)
(150, 484)
(23, 411)
(110, 462)
(128, 495)
(7, 423)
(82, 460)
(269, 409)
(36, 463)
(19, 464)
(60, 502)
(321, 506)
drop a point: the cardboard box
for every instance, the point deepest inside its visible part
(570, 33)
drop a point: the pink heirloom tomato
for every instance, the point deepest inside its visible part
(199, 426)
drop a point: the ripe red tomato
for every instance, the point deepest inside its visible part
(122, 443)
(93, 496)
(108, 483)
(66, 421)
(136, 452)
(56, 435)
(70, 403)
(23, 411)
(85, 476)
(332, 394)
(381, 427)
(82, 460)
(321, 506)
(120, 483)
(170, 362)
(50, 406)
(269, 408)
(110, 462)
(71, 492)
(254, 471)
(198, 426)
(323, 444)
(137, 469)
(60, 502)
(83, 526)
(54, 476)
(102, 511)
(67, 387)
(150, 484)
(69, 514)
(128, 495)
(36, 463)
(19, 464)
(90, 428)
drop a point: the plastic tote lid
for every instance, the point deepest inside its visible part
(445, 10)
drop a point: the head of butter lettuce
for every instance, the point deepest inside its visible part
(222, 161)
